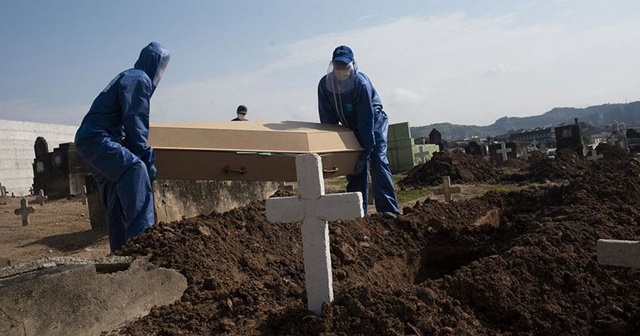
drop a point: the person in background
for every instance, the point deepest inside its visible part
(346, 96)
(112, 141)
(241, 111)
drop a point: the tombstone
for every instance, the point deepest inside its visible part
(83, 195)
(501, 152)
(24, 212)
(315, 209)
(475, 148)
(40, 164)
(447, 190)
(624, 253)
(633, 140)
(3, 190)
(97, 211)
(570, 137)
(41, 198)
(422, 155)
(435, 137)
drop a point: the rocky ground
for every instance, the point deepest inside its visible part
(504, 263)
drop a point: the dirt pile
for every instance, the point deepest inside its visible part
(519, 263)
(459, 166)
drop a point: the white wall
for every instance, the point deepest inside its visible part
(17, 139)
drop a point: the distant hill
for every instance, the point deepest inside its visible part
(596, 116)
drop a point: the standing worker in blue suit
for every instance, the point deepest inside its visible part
(347, 96)
(112, 141)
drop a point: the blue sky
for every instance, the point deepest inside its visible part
(465, 62)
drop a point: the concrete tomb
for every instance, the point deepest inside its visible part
(73, 296)
(249, 151)
(59, 173)
(570, 137)
(315, 209)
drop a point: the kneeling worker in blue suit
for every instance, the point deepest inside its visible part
(347, 96)
(112, 141)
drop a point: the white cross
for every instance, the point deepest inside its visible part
(613, 140)
(526, 154)
(422, 155)
(593, 155)
(625, 253)
(447, 189)
(503, 150)
(315, 209)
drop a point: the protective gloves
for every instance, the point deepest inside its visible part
(361, 165)
(153, 172)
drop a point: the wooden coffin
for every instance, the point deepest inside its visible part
(249, 150)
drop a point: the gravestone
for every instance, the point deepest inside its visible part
(475, 148)
(447, 190)
(40, 163)
(3, 190)
(24, 212)
(41, 198)
(315, 209)
(625, 253)
(501, 152)
(593, 155)
(570, 137)
(422, 155)
(435, 137)
(83, 195)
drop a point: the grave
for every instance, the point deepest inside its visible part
(475, 148)
(570, 137)
(403, 152)
(24, 212)
(74, 296)
(315, 209)
(501, 152)
(59, 173)
(41, 198)
(3, 190)
(593, 155)
(447, 190)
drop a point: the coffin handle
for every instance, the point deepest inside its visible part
(330, 171)
(241, 170)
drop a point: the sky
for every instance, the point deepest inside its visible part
(464, 62)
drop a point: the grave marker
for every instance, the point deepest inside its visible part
(40, 199)
(24, 211)
(3, 190)
(315, 209)
(593, 155)
(503, 150)
(422, 155)
(625, 253)
(447, 190)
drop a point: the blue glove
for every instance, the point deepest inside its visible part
(361, 166)
(153, 172)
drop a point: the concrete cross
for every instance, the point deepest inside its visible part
(613, 140)
(593, 155)
(447, 190)
(503, 150)
(526, 154)
(315, 209)
(422, 155)
(625, 253)
(83, 195)
(24, 211)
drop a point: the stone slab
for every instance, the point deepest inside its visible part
(83, 299)
(625, 253)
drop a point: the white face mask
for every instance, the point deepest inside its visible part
(341, 75)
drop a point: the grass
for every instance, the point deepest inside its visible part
(339, 184)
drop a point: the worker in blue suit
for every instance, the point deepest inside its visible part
(346, 96)
(112, 141)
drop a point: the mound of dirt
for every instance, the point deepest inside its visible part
(519, 263)
(566, 165)
(459, 166)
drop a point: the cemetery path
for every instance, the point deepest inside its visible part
(57, 228)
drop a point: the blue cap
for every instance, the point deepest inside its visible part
(342, 54)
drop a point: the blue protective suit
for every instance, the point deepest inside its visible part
(360, 109)
(112, 141)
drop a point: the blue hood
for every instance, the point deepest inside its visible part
(153, 60)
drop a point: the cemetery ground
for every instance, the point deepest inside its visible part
(514, 256)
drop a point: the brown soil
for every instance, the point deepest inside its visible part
(517, 263)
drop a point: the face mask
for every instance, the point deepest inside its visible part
(342, 74)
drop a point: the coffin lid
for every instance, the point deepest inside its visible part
(253, 136)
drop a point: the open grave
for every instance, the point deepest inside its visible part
(504, 263)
